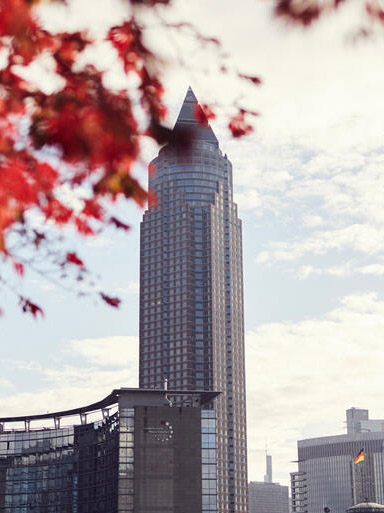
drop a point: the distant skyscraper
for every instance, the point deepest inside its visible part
(327, 476)
(268, 465)
(268, 497)
(191, 290)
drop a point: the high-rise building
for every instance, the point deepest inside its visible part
(267, 496)
(128, 453)
(191, 289)
(328, 477)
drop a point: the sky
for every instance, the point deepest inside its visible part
(309, 185)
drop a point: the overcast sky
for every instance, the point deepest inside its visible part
(309, 183)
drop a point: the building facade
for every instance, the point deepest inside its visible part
(139, 456)
(267, 496)
(358, 421)
(327, 475)
(191, 289)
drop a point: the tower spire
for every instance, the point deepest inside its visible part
(186, 120)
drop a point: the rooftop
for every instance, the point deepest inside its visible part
(187, 121)
(135, 396)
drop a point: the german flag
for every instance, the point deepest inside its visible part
(359, 457)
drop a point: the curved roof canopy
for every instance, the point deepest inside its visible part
(113, 398)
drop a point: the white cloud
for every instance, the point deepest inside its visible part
(359, 237)
(118, 351)
(377, 269)
(21, 364)
(349, 268)
(312, 220)
(6, 384)
(99, 242)
(110, 362)
(132, 287)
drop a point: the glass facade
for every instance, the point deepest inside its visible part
(191, 291)
(65, 470)
(209, 461)
(126, 460)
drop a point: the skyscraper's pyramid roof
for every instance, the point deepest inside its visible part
(187, 120)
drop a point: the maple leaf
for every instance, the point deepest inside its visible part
(251, 78)
(111, 301)
(93, 209)
(303, 13)
(375, 10)
(238, 125)
(38, 238)
(28, 307)
(72, 258)
(19, 268)
(151, 3)
(119, 224)
(68, 48)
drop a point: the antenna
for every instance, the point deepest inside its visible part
(170, 404)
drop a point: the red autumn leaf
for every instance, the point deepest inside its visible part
(38, 238)
(301, 13)
(151, 3)
(111, 301)
(83, 226)
(72, 258)
(119, 224)
(122, 183)
(18, 267)
(28, 307)
(238, 125)
(255, 80)
(93, 209)
(375, 10)
(203, 113)
(152, 199)
(68, 48)
(56, 211)
(127, 39)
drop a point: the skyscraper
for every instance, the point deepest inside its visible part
(191, 290)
